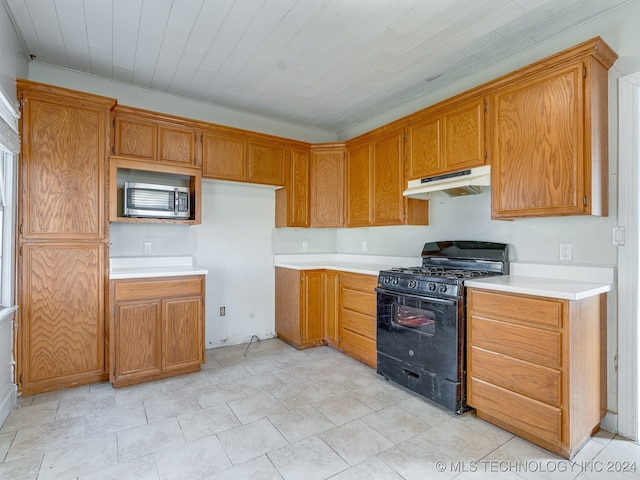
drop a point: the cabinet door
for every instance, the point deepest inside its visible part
(62, 168)
(137, 340)
(176, 144)
(265, 163)
(288, 305)
(332, 307)
(61, 315)
(464, 144)
(299, 189)
(327, 187)
(223, 156)
(538, 163)
(388, 180)
(358, 185)
(135, 137)
(182, 326)
(424, 155)
(312, 327)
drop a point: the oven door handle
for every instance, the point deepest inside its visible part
(417, 297)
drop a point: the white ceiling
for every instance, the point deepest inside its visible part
(322, 63)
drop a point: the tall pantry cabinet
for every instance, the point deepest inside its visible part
(62, 239)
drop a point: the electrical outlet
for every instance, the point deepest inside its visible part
(147, 247)
(364, 245)
(305, 246)
(566, 251)
(223, 311)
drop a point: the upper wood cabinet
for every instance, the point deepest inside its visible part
(375, 180)
(153, 136)
(63, 162)
(292, 201)
(231, 154)
(327, 185)
(449, 138)
(549, 136)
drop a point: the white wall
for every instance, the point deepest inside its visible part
(234, 244)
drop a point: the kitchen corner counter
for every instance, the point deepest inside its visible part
(151, 267)
(569, 282)
(364, 264)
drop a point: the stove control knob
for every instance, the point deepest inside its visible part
(432, 287)
(395, 281)
(412, 284)
(442, 289)
(387, 279)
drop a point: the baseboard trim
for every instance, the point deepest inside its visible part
(610, 422)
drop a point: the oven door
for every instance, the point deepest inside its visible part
(422, 331)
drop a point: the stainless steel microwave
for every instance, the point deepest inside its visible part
(156, 201)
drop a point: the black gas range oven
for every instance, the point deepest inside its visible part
(421, 318)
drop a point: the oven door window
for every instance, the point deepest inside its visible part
(411, 316)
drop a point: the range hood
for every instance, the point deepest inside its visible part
(454, 184)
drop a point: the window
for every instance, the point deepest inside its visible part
(7, 220)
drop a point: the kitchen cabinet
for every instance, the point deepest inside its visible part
(375, 180)
(358, 317)
(536, 366)
(549, 136)
(157, 328)
(236, 155)
(62, 239)
(292, 201)
(331, 305)
(153, 136)
(300, 306)
(447, 138)
(327, 185)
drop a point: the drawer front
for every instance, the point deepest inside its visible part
(538, 311)
(173, 287)
(532, 380)
(535, 345)
(358, 323)
(360, 302)
(364, 283)
(358, 347)
(525, 415)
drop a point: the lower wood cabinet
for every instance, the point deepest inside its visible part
(536, 366)
(324, 307)
(157, 328)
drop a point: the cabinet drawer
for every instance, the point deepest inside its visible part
(538, 311)
(359, 302)
(525, 416)
(535, 345)
(145, 289)
(358, 347)
(532, 380)
(358, 323)
(364, 283)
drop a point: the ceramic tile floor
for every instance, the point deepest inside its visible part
(277, 413)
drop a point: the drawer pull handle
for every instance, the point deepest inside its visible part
(410, 373)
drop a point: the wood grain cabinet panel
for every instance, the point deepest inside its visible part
(265, 163)
(141, 321)
(62, 308)
(157, 330)
(327, 185)
(359, 171)
(223, 156)
(152, 136)
(447, 138)
(358, 317)
(292, 201)
(331, 303)
(542, 380)
(388, 180)
(549, 132)
(62, 240)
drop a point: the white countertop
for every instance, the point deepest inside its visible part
(149, 267)
(570, 282)
(365, 264)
